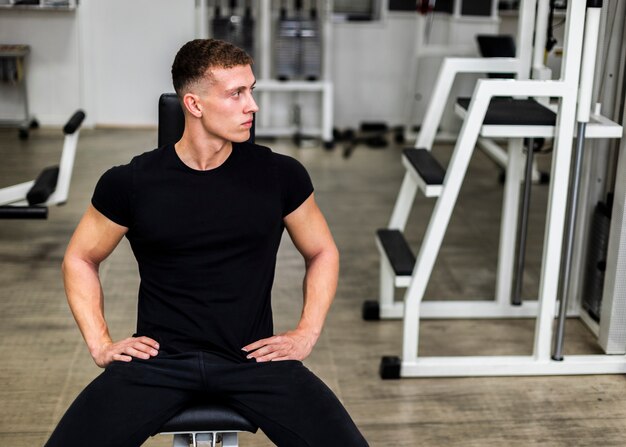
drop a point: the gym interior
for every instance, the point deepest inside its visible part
(467, 155)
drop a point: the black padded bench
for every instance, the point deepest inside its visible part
(212, 423)
(514, 112)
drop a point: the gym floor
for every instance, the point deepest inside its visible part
(45, 362)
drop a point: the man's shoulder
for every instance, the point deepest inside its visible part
(258, 152)
(254, 151)
(148, 158)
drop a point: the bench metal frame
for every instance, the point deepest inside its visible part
(204, 438)
(16, 195)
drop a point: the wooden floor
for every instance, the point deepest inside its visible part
(45, 363)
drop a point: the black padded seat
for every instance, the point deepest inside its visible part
(207, 418)
(497, 46)
(398, 251)
(515, 112)
(426, 165)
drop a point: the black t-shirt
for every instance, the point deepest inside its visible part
(205, 242)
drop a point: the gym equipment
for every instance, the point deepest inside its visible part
(13, 71)
(371, 134)
(442, 30)
(496, 110)
(287, 46)
(425, 173)
(268, 87)
(234, 28)
(595, 265)
(30, 200)
(298, 45)
(590, 46)
(207, 423)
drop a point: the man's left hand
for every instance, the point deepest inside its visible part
(292, 345)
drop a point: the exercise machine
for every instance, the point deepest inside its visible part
(424, 172)
(30, 200)
(503, 109)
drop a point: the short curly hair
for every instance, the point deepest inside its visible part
(198, 56)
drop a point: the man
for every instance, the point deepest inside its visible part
(204, 218)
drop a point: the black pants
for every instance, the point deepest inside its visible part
(129, 402)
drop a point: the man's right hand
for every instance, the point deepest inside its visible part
(125, 350)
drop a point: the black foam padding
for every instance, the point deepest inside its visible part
(398, 251)
(426, 165)
(44, 186)
(496, 45)
(74, 122)
(172, 120)
(493, 45)
(23, 212)
(480, 8)
(515, 112)
(208, 417)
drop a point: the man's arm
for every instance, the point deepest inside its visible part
(94, 239)
(311, 236)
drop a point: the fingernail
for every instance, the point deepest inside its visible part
(244, 349)
(249, 357)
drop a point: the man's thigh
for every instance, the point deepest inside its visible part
(289, 403)
(123, 406)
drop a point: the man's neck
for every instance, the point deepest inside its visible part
(203, 154)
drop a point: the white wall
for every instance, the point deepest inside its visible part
(53, 66)
(371, 62)
(112, 58)
(129, 49)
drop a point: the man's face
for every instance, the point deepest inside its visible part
(227, 103)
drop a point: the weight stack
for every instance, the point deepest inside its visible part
(311, 50)
(288, 48)
(595, 265)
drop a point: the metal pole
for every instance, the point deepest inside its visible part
(588, 61)
(523, 225)
(569, 242)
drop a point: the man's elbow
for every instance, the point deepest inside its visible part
(74, 263)
(329, 255)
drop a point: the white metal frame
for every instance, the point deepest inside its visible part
(527, 60)
(540, 362)
(512, 159)
(424, 49)
(16, 194)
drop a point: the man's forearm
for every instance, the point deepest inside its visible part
(320, 284)
(319, 288)
(84, 295)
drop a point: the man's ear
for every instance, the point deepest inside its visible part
(192, 104)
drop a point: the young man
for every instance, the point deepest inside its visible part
(204, 218)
